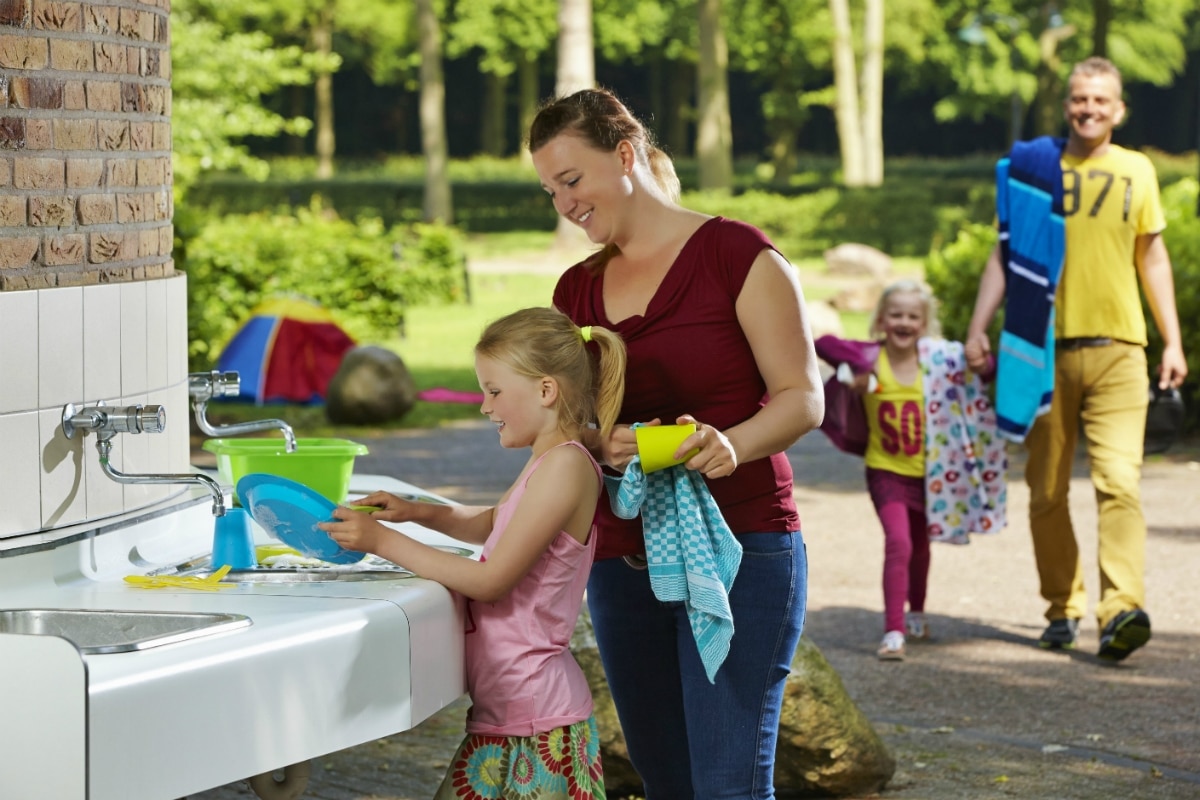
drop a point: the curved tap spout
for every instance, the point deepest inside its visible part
(104, 446)
(204, 386)
(106, 422)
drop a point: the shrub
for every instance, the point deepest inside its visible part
(953, 273)
(792, 223)
(364, 273)
(1182, 236)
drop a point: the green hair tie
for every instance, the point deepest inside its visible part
(586, 333)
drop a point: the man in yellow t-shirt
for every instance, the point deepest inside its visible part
(1114, 224)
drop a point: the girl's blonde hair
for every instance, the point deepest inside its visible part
(933, 327)
(543, 342)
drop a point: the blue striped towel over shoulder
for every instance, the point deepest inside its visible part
(691, 554)
(1029, 208)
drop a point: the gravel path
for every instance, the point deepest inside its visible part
(978, 712)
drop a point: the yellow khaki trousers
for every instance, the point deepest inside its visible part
(1106, 389)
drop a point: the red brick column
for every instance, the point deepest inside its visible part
(85, 142)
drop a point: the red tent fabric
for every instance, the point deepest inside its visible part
(286, 352)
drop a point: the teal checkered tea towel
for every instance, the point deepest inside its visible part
(691, 554)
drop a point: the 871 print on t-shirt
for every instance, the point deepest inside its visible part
(1073, 188)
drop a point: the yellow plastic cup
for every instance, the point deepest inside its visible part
(657, 445)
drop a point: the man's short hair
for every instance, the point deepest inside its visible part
(1097, 65)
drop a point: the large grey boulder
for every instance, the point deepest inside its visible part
(827, 747)
(861, 296)
(371, 386)
(824, 319)
(852, 258)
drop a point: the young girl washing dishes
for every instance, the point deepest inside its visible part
(530, 729)
(935, 467)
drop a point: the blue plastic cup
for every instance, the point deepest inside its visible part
(233, 541)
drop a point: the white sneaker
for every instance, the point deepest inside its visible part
(916, 625)
(892, 647)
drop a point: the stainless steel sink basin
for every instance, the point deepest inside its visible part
(306, 575)
(103, 631)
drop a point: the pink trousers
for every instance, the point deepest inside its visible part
(900, 503)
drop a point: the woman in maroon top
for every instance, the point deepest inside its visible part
(717, 334)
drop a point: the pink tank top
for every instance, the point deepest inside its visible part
(521, 675)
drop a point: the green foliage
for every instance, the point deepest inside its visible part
(504, 32)
(1182, 236)
(984, 53)
(365, 273)
(953, 273)
(793, 223)
(219, 82)
(477, 206)
(901, 218)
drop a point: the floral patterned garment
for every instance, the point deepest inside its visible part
(561, 764)
(965, 460)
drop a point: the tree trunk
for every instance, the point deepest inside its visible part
(298, 107)
(576, 55)
(323, 92)
(783, 154)
(656, 89)
(845, 81)
(528, 97)
(676, 127)
(714, 136)
(1101, 17)
(438, 205)
(492, 130)
(872, 94)
(1047, 112)
(576, 70)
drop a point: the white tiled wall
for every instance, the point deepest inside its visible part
(122, 344)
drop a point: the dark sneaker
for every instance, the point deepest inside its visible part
(1060, 634)
(1123, 634)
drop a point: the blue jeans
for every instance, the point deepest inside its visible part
(687, 737)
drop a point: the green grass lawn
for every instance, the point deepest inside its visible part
(438, 349)
(439, 340)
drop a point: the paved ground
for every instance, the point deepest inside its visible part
(979, 712)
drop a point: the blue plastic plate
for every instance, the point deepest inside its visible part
(290, 512)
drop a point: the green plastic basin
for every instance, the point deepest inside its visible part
(323, 465)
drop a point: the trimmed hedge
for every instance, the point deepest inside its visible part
(478, 207)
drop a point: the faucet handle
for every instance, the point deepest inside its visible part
(106, 422)
(204, 386)
(146, 419)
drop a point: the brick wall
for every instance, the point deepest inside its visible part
(85, 142)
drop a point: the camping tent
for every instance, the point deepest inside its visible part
(286, 352)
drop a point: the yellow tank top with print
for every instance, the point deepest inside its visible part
(896, 421)
(1108, 201)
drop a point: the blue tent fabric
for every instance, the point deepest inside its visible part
(247, 354)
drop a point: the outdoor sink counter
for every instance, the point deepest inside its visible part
(324, 665)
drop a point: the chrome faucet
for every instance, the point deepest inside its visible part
(204, 386)
(107, 422)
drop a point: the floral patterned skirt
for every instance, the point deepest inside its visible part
(562, 764)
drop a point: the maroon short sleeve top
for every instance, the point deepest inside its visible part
(688, 355)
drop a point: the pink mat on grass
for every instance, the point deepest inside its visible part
(443, 395)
